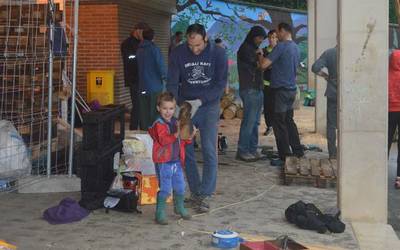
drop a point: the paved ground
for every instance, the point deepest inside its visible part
(260, 218)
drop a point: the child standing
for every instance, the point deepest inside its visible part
(169, 158)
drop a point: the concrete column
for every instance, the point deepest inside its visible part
(363, 67)
(311, 42)
(325, 33)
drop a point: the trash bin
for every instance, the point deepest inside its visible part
(100, 86)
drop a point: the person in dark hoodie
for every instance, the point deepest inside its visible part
(284, 58)
(197, 73)
(152, 74)
(251, 92)
(394, 107)
(128, 51)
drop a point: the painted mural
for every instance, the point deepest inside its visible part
(231, 23)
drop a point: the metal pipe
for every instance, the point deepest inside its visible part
(50, 97)
(74, 64)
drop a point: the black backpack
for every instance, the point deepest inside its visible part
(308, 216)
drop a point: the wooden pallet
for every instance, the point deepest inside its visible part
(321, 171)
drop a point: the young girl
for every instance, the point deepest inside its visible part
(169, 158)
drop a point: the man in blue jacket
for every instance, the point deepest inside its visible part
(129, 48)
(152, 73)
(198, 73)
(285, 58)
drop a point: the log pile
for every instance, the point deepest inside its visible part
(231, 106)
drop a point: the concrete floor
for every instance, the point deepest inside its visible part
(260, 218)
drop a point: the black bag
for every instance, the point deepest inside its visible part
(308, 216)
(128, 202)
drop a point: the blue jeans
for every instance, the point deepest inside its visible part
(170, 177)
(206, 120)
(252, 105)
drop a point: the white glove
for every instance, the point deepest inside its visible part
(195, 106)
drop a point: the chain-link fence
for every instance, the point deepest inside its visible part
(36, 68)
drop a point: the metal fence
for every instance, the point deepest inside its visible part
(37, 93)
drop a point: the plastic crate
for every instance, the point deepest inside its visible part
(99, 128)
(89, 158)
(96, 171)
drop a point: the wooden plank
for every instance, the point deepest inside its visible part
(291, 165)
(304, 165)
(326, 168)
(315, 167)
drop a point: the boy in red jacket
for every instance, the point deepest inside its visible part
(169, 158)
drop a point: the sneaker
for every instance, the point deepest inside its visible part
(246, 157)
(277, 163)
(203, 205)
(268, 131)
(259, 156)
(192, 201)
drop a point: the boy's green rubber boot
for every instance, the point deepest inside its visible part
(161, 216)
(179, 207)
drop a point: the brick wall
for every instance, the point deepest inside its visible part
(102, 28)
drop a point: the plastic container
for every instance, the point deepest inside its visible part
(225, 239)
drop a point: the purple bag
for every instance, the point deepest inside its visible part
(67, 211)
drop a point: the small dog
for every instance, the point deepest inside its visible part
(185, 123)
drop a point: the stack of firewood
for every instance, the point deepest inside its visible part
(231, 106)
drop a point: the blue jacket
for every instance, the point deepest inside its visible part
(202, 76)
(151, 67)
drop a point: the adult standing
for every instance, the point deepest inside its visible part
(152, 75)
(197, 73)
(176, 40)
(251, 93)
(394, 106)
(328, 60)
(284, 58)
(268, 97)
(128, 50)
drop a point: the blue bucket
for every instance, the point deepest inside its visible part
(225, 239)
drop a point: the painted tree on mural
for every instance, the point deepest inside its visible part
(275, 16)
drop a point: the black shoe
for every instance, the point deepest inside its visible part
(277, 163)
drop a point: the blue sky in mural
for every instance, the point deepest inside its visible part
(231, 22)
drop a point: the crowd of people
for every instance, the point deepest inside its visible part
(197, 73)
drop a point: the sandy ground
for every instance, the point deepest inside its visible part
(261, 217)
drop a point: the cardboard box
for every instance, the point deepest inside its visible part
(148, 189)
(259, 245)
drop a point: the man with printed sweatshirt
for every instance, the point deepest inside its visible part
(197, 73)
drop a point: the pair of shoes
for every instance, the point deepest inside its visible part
(191, 201)
(268, 131)
(259, 156)
(277, 162)
(203, 205)
(247, 157)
